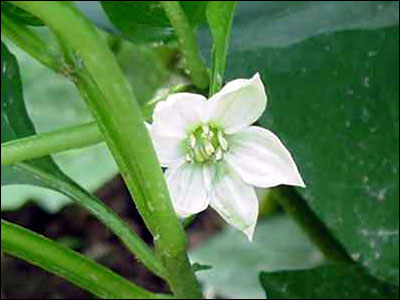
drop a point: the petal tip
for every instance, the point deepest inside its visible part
(148, 126)
(249, 232)
(256, 76)
(298, 180)
(302, 184)
(257, 79)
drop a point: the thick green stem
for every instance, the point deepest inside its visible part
(49, 143)
(61, 261)
(30, 42)
(297, 208)
(120, 120)
(187, 42)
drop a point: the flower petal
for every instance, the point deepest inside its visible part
(178, 114)
(169, 149)
(187, 188)
(238, 105)
(261, 159)
(234, 200)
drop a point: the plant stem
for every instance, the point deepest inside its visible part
(188, 44)
(297, 208)
(49, 143)
(30, 42)
(101, 211)
(120, 120)
(61, 261)
(220, 18)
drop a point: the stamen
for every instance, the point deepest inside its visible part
(206, 144)
(189, 158)
(192, 141)
(222, 141)
(198, 155)
(219, 155)
(206, 130)
(209, 148)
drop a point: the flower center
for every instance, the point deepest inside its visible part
(206, 144)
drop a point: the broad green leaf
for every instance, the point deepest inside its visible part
(145, 21)
(19, 14)
(332, 82)
(220, 17)
(328, 282)
(278, 245)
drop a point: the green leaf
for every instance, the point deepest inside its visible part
(328, 282)
(220, 17)
(278, 245)
(19, 15)
(15, 123)
(334, 101)
(72, 266)
(145, 21)
(44, 172)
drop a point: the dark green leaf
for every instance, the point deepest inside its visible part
(145, 21)
(19, 14)
(329, 282)
(334, 100)
(15, 123)
(220, 17)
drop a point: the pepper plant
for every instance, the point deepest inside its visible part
(213, 152)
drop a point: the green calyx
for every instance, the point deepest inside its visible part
(206, 144)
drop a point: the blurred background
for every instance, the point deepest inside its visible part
(331, 71)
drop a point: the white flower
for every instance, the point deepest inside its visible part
(215, 157)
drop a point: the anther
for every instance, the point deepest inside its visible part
(192, 140)
(189, 158)
(222, 141)
(206, 131)
(199, 155)
(209, 148)
(219, 155)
